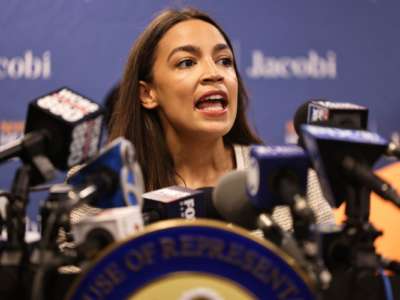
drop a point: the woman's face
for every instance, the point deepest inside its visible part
(194, 81)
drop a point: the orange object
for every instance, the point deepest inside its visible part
(384, 215)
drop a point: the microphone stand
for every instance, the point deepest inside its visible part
(14, 250)
(48, 257)
(15, 209)
(350, 254)
(14, 265)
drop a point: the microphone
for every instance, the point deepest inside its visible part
(330, 114)
(231, 199)
(239, 199)
(342, 157)
(173, 202)
(62, 129)
(338, 115)
(93, 233)
(368, 178)
(112, 179)
(276, 176)
(277, 173)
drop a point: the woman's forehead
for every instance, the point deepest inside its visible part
(191, 32)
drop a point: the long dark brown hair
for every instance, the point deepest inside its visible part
(142, 126)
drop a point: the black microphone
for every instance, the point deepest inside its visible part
(278, 175)
(62, 129)
(330, 114)
(331, 150)
(173, 202)
(231, 200)
(336, 114)
(369, 179)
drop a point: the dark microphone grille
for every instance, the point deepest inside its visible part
(231, 201)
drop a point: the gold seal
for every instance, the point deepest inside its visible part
(192, 286)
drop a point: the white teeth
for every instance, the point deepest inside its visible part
(213, 102)
(213, 108)
(213, 97)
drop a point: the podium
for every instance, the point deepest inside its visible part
(193, 259)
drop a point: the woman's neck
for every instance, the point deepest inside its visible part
(201, 163)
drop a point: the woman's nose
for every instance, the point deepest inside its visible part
(211, 73)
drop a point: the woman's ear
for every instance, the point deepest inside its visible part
(147, 95)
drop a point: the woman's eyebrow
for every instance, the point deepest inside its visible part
(196, 50)
(186, 48)
(219, 47)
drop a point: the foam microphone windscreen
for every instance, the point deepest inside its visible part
(231, 201)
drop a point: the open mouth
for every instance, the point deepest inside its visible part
(214, 102)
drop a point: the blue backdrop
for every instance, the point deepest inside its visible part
(288, 51)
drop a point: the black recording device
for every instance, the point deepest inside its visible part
(173, 202)
(62, 129)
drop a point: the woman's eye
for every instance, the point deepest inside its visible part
(226, 61)
(186, 63)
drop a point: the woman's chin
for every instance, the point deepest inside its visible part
(212, 132)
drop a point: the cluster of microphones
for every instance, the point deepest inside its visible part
(104, 192)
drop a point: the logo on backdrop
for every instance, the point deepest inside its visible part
(312, 66)
(10, 131)
(27, 66)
